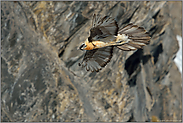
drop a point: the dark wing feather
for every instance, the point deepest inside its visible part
(102, 27)
(95, 59)
(138, 37)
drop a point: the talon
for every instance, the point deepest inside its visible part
(118, 41)
(122, 42)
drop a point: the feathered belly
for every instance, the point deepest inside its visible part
(120, 39)
(100, 44)
(95, 45)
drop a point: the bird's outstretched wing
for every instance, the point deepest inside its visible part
(95, 59)
(137, 37)
(102, 27)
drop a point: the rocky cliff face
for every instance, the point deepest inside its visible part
(41, 79)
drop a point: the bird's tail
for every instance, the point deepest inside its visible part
(137, 37)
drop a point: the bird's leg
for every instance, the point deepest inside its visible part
(122, 38)
(118, 41)
(121, 42)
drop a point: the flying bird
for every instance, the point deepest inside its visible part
(104, 36)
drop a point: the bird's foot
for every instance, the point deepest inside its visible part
(121, 42)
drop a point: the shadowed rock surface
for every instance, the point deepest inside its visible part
(41, 79)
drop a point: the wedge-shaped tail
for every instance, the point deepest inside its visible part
(137, 37)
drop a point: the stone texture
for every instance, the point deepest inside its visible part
(41, 79)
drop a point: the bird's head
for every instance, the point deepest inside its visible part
(86, 45)
(82, 46)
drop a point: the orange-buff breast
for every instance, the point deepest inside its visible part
(95, 45)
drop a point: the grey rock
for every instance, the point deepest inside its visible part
(42, 82)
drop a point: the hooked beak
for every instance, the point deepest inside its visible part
(82, 46)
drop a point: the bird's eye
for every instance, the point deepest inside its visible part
(82, 46)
